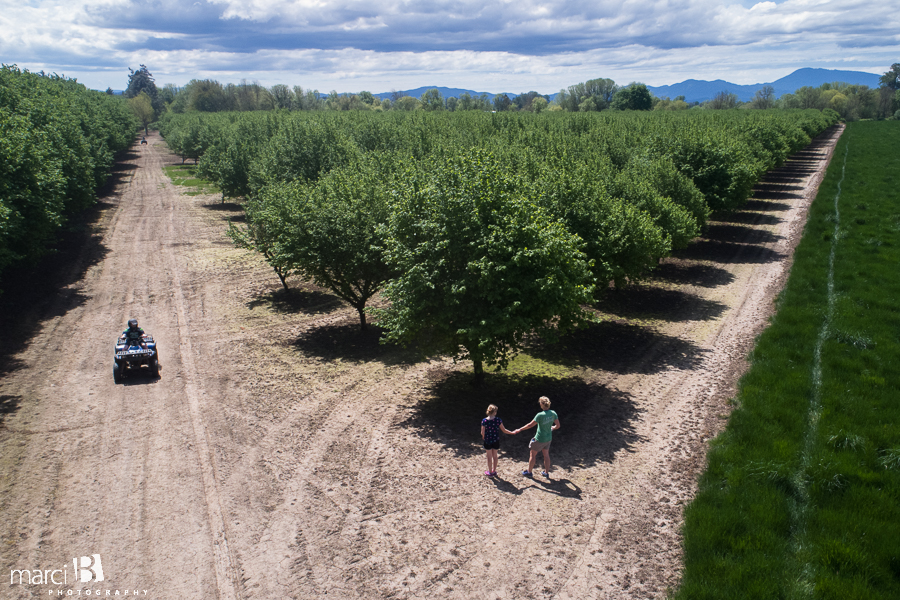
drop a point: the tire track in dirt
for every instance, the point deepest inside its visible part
(227, 582)
(286, 532)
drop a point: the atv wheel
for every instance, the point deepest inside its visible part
(117, 372)
(154, 368)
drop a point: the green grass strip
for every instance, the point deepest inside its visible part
(186, 176)
(804, 583)
(801, 497)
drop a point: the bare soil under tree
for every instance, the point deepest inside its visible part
(284, 454)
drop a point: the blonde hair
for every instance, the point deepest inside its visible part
(492, 410)
(545, 402)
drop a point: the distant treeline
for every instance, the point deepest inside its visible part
(58, 140)
(851, 102)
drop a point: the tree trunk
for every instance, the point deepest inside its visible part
(282, 278)
(478, 379)
(362, 317)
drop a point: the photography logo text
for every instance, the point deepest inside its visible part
(85, 569)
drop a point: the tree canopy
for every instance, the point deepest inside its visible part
(432, 100)
(332, 233)
(591, 95)
(891, 79)
(480, 264)
(635, 96)
(142, 81)
(57, 144)
(142, 108)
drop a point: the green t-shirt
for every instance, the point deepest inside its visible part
(544, 420)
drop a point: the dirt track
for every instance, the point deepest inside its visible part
(282, 454)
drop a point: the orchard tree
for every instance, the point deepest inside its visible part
(480, 265)
(266, 232)
(622, 242)
(333, 236)
(142, 108)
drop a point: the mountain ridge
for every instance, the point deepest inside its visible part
(695, 90)
(699, 90)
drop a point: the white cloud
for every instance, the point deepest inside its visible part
(350, 45)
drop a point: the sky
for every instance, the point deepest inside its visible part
(488, 46)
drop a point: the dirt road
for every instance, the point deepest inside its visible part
(284, 454)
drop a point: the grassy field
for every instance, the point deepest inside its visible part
(186, 176)
(801, 498)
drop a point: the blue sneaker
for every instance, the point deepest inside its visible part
(526, 473)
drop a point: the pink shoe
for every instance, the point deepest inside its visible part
(493, 473)
(488, 474)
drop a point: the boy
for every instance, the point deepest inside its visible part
(547, 421)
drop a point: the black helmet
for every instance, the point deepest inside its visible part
(132, 323)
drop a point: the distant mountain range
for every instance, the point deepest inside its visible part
(695, 90)
(445, 92)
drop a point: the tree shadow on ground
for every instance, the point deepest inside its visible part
(750, 218)
(8, 405)
(764, 206)
(700, 275)
(649, 302)
(346, 341)
(35, 293)
(236, 210)
(293, 300)
(741, 234)
(792, 171)
(728, 252)
(595, 422)
(619, 348)
(776, 191)
(117, 175)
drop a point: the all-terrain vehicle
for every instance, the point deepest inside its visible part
(132, 357)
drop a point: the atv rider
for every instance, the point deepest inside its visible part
(134, 334)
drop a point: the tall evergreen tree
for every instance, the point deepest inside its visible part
(142, 81)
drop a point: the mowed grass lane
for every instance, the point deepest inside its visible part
(801, 498)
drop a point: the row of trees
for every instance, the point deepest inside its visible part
(481, 228)
(58, 140)
(849, 101)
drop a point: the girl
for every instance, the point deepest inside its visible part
(491, 426)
